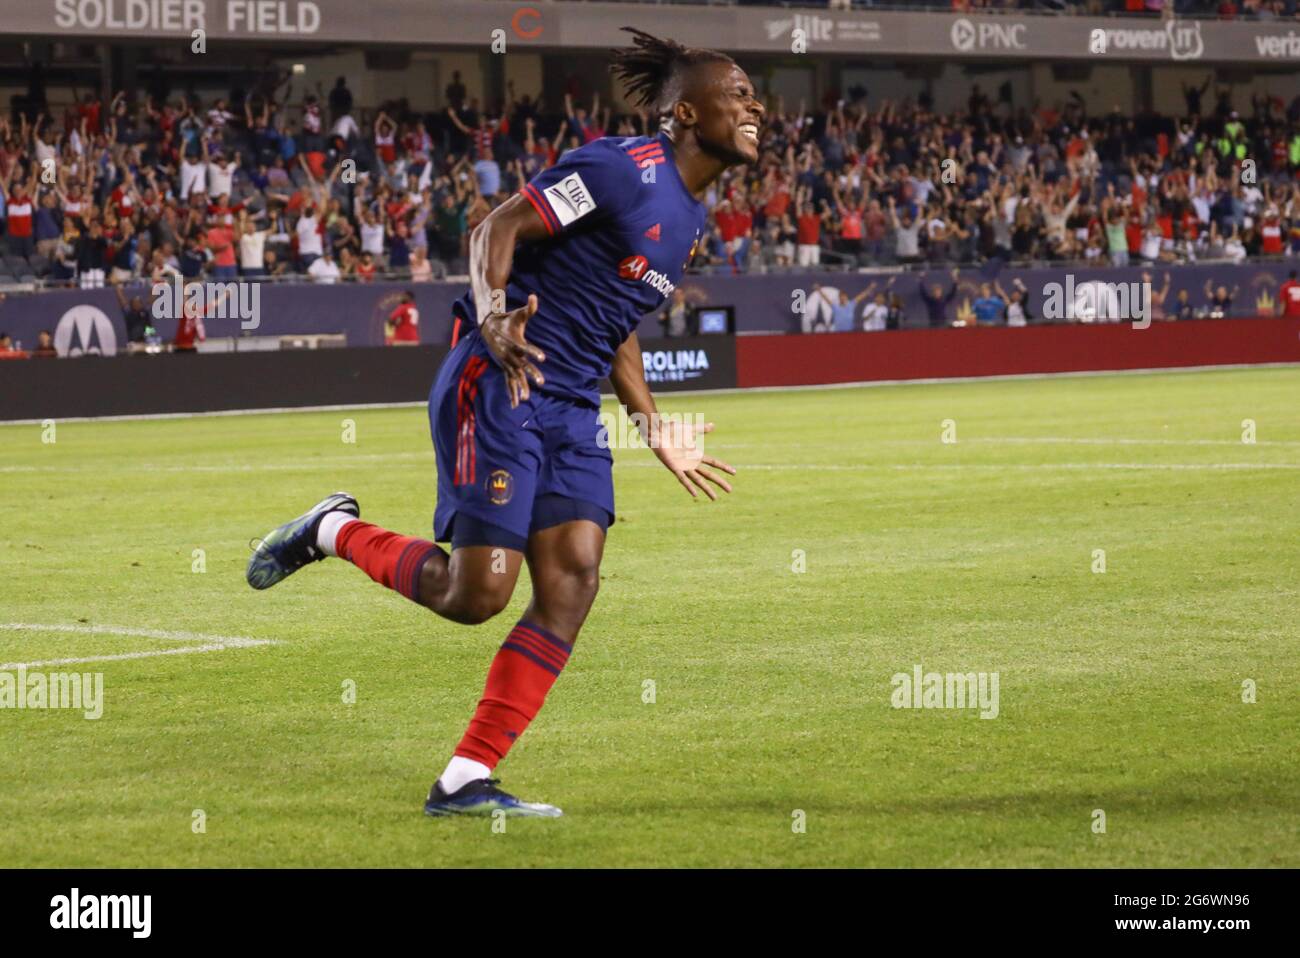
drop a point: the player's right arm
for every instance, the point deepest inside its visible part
(491, 256)
(590, 181)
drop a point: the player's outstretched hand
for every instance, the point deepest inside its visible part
(504, 335)
(680, 447)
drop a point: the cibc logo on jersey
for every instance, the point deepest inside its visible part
(570, 199)
(637, 267)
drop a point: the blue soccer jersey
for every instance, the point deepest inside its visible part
(623, 228)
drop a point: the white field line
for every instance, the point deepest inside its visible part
(211, 643)
(1153, 371)
(301, 465)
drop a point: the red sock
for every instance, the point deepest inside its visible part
(524, 670)
(391, 560)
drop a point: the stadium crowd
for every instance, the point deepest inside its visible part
(266, 183)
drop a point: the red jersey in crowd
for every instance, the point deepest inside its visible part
(221, 240)
(778, 203)
(20, 214)
(188, 331)
(1133, 231)
(1270, 237)
(90, 113)
(810, 229)
(405, 323)
(850, 223)
(1290, 295)
(732, 224)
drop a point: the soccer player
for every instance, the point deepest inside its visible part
(560, 274)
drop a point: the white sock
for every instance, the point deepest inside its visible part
(460, 772)
(327, 533)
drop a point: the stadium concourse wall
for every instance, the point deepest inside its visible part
(92, 386)
(871, 33)
(91, 320)
(999, 351)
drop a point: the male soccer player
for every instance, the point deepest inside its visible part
(575, 259)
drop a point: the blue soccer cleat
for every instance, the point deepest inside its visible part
(482, 797)
(291, 546)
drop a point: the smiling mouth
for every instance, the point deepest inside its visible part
(749, 131)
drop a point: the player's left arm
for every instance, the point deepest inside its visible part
(678, 444)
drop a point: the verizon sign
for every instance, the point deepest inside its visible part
(1279, 47)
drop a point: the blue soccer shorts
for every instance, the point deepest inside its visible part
(504, 473)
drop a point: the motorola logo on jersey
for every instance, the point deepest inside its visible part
(633, 267)
(570, 199)
(637, 267)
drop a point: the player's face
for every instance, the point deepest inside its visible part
(729, 118)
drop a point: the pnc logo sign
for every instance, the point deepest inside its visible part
(967, 35)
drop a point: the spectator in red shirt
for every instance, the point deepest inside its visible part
(88, 110)
(365, 270)
(7, 350)
(403, 326)
(809, 235)
(1289, 297)
(221, 241)
(21, 209)
(190, 330)
(851, 227)
(735, 227)
(1134, 232)
(1270, 234)
(776, 196)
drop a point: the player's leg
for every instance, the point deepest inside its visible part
(470, 586)
(564, 566)
(571, 509)
(564, 563)
(486, 468)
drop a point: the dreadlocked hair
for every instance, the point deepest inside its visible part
(648, 66)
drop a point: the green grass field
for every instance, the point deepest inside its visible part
(1119, 691)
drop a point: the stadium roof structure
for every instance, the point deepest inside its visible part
(543, 25)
